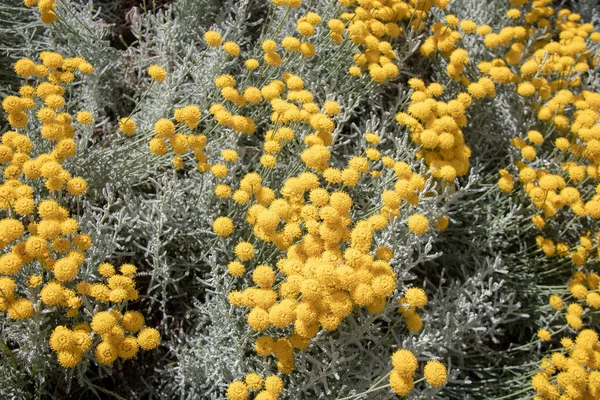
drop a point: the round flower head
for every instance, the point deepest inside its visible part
(236, 268)
(258, 319)
(68, 359)
(244, 251)
(273, 384)
(414, 322)
(65, 269)
(435, 373)
(157, 73)
(103, 322)
(128, 269)
(416, 297)
(401, 385)
(164, 128)
(544, 335)
(106, 353)
(25, 67)
(231, 48)
(418, 224)
(61, 338)
(128, 348)
(107, 270)
(133, 321)
(251, 64)
(85, 117)
(52, 294)
(127, 126)
(77, 186)
(254, 381)
(405, 362)
(223, 226)
(264, 276)
(20, 309)
(237, 391)
(158, 146)
(34, 281)
(148, 338)
(213, 38)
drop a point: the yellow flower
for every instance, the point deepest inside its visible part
(85, 117)
(435, 373)
(251, 64)
(158, 146)
(273, 384)
(513, 13)
(400, 384)
(544, 335)
(10, 264)
(526, 89)
(61, 338)
(164, 128)
(418, 224)
(77, 186)
(416, 297)
(25, 67)
(157, 73)
(103, 322)
(106, 353)
(68, 359)
(224, 191)
(65, 269)
(34, 281)
(148, 338)
(106, 270)
(213, 38)
(414, 322)
(219, 170)
(52, 294)
(263, 276)
(237, 391)
(305, 29)
(468, 26)
(231, 48)
(128, 348)
(20, 309)
(258, 319)
(236, 268)
(223, 226)
(404, 362)
(254, 381)
(127, 126)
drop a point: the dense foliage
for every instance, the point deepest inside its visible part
(351, 199)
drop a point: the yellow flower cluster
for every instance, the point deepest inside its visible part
(436, 127)
(46, 8)
(169, 135)
(17, 308)
(584, 289)
(405, 366)
(549, 82)
(572, 373)
(373, 26)
(111, 328)
(559, 154)
(44, 233)
(54, 73)
(268, 388)
(413, 299)
(327, 269)
(328, 261)
(118, 287)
